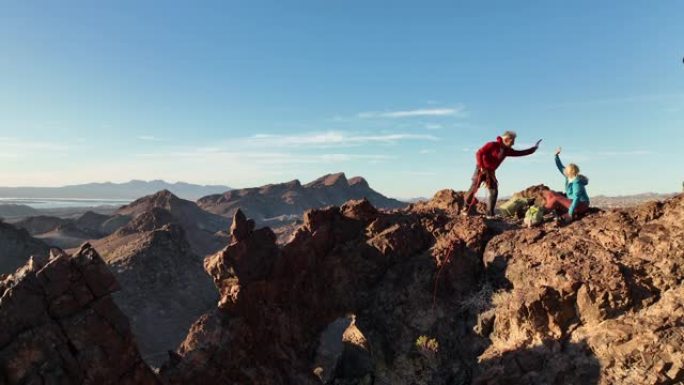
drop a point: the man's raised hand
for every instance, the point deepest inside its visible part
(558, 151)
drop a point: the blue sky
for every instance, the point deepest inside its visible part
(246, 93)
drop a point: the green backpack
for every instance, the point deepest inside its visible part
(514, 205)
(534, 216)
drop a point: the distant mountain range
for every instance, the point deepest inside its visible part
(283, 202)
(204, 222)
(624, 201)
(129, 190)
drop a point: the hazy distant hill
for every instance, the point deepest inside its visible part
(284, 201)
(626, 200)
(16, 246)
(15, 210)
(201, 228)
(129, 190)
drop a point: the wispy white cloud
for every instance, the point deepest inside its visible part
(15, 147)
(426, 151)
(334, 138)
(458, 111)
(217, 156)
(150, 138)
(433, 126)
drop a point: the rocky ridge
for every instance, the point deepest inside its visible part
(203, 229)
(278, 204)
(425, 296)
(509, 305)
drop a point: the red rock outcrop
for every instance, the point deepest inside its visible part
(607, 281)
(275, 302)
(509, 305)
(59, 325)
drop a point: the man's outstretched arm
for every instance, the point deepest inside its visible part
(529, 151)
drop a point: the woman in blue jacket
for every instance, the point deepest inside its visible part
(576, 200)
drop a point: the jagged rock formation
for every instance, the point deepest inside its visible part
(156, 254)
(164, 288)
(59, 325)
(16, 246)
(612, 281)
(379, 266)
(542, 305)
(277, 204)
(424, 295)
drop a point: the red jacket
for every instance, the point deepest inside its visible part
(492, 154)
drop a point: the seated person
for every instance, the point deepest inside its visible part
(575, 201)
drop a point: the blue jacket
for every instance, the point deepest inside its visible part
(574, 190)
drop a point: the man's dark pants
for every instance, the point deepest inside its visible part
(489, 178)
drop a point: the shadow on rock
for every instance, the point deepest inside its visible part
(550, 363)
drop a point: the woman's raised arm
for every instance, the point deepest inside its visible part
(559, 164)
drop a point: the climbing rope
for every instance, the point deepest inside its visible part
(449, 253)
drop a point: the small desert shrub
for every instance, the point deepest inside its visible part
(480, 301)
(429, 347)
(509, 335)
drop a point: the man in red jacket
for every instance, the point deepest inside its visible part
(489, 157)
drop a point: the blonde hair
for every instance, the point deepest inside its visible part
(509, 134)
(572, 170)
